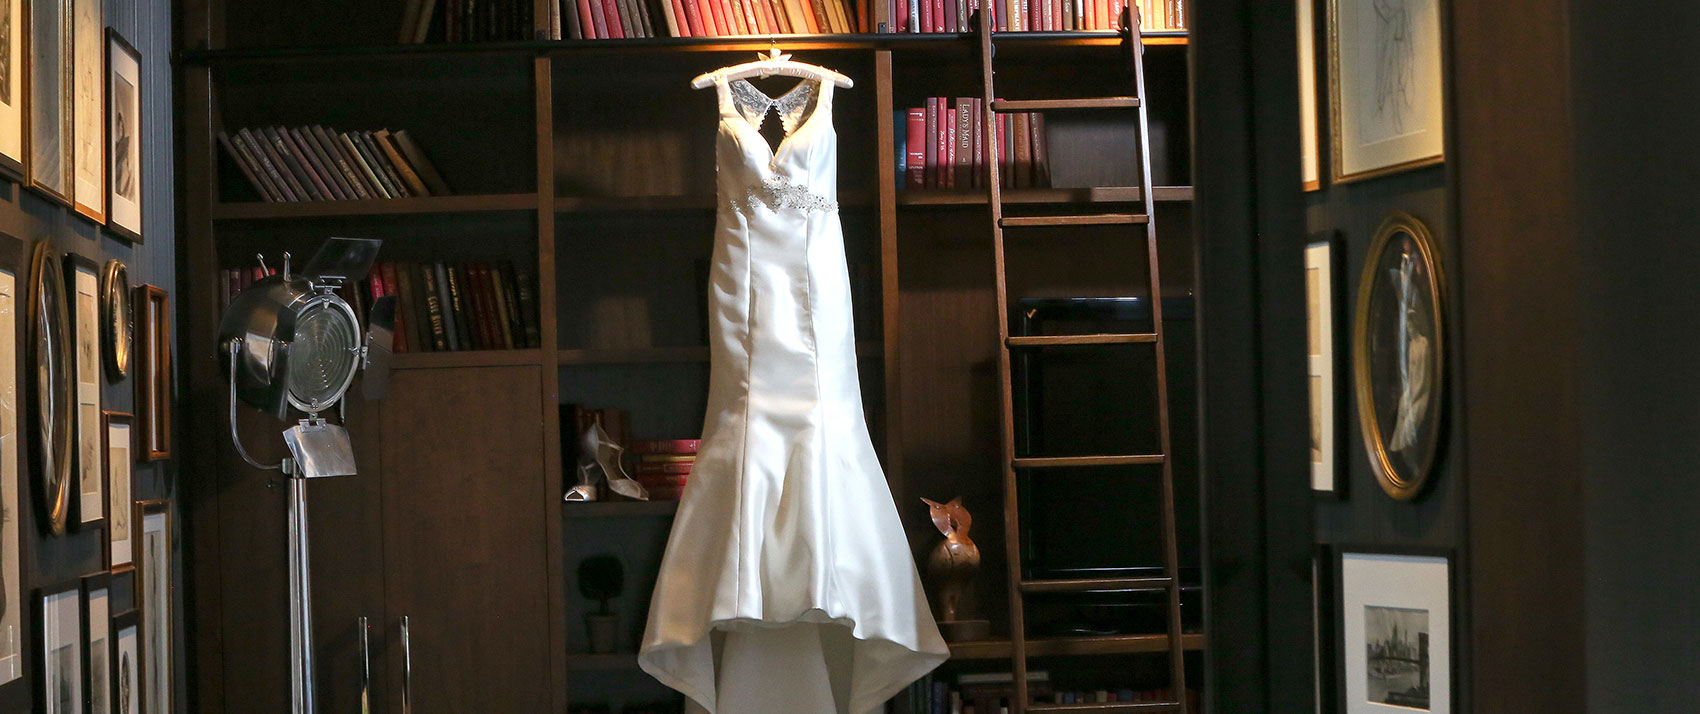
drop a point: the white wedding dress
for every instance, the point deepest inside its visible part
(788, 585)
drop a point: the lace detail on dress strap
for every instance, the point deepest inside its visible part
(778, 193)
(753, 104)
(749, 101)
(791, 106)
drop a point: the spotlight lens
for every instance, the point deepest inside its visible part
(323, 355)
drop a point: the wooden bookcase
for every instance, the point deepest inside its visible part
(592, 162)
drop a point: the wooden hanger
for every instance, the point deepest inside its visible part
(771, 64)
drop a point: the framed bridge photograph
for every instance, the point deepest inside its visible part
(1396, 625)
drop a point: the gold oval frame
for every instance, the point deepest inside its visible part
(1403, 487)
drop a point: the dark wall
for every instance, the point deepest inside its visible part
(53, 560)
(1638, 139)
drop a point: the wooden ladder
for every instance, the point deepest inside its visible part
(1014, 464)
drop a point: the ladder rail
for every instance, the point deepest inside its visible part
(1012, 465)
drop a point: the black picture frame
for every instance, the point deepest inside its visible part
(1336, 554)
(39, 613)
(120, 622)
(85, 417)
(117, 45)
(116, 498)
(98, 582)
(48, 19)
(1340, 329)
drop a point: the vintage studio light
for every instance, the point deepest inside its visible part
(288, 342)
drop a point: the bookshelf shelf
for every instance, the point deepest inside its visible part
(469, 358)
(977, 197)
(666, 355)
(620, 509)
(899, 42)
(260, 210)
(693, 202)
(1067, 646)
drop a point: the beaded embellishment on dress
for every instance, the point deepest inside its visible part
(777, 194)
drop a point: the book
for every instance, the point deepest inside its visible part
(278, 174)
(1023, 145)
(429, 274)
(261, 187)
(525, 290)
(979, 170)
(711, 19)
(393, 285)
(794, 17)
(915, 166)
(628, 23)
(451, 331)
(492, 306)
(512, 325)
(321, 163)
(403, 168)
(460, 306)
(599, 18)
(357, 158)
(321, 183)
(381, 164)
(1041, 153)
(339, 162)
(421, 163)
(964, 154)
(739, 24)
(947, 163)
(930, 159)
(693, 18)
(477, 305)
(286, 163)
(941, 144)
(671, 19)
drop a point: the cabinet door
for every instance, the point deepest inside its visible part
(464, 540)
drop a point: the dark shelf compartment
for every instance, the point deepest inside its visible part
(260, 210)
(693, 202)
(468, 358)
(1074, 646)
(977, 197)
(620, 509)
(667, 355)
(855, 41)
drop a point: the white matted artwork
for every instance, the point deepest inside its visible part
(123, 137)
(1386, 105)
(91, 462)
(61, 652)
(12, 87)
(88, 109)
(1397, 648)
(97, 673)
(120, 545)
(1319, 341)
(155, 579)
(126, 665)
(1310, 158)
(11, 592)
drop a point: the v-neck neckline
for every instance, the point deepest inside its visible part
(773, 152)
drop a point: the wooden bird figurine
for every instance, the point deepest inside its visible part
(953, 562)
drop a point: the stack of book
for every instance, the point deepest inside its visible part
(663, 465)
(466, 20)
(944, 147)
(616, 19)
(315, 163)
(927, 16)
(990, 693)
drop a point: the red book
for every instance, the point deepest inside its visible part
(1003, 150)
(979, 155)
(940, 22)
(931, 160)
(915, 148)
(900, 15)
(718, 17)
(611, 10)
(374, 280)
(660, 467)
(479, 275)
(398, 342)
(679, 18)
(1041, 155)
(949, 163)
(962, 159)
(941, 145)
(693, 17)
(1023, 138)
(926, 20)
(598, 19)
(811, 15)
(664, 446)
(587, 20)
(1116, 7)
(758, 16)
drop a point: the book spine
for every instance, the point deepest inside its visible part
(1041, 153)
(979, 142)
(358, 159)
(414, 185)
(762, 11)
(693, 18)
(249, 170)
(419, 317)
(262, 152)
(450, 326)
(1180, 14)
(321, 164)
(964, 143)
(599, 18)
(403, 320)
(571, 19)
(421, 163)
(434, 307)
(339, 162)
(472, 302)
(1116, 9)
(668, 13)
(487, 310)
(1002, 129)
(499, 296)
(460, 306)
(754, 18)
(380, 164)
(628, 23)
(274, 148)
(941, 144)
(301, 161)
(948, 164)
(812, 17)
(711, 19)
(738, 24)
(932, 139)
(915, 163)
(1023, 150)
(526, 287)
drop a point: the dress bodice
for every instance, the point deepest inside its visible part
(801, 173)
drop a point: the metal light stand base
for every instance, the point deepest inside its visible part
(300, 596)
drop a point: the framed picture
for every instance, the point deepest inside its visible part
(123, 137)
(117, 319)
(1386, 107)
(119, 438)
(1310, 150)
(1399, 355)
(59, 613)
(51, 386)
(49, 126)
(1322, 322)
(97, 652)
(127, 663)
(82, 284)
(88, 109)
(153, 372)
(11, 564)
(153, 592)
(12, 89)
(1396, 632)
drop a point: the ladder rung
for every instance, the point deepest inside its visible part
(1101, 219)
(1063, 462)
(1039, 105)
(1099, 339)
(1109, 707)
(1075, 585)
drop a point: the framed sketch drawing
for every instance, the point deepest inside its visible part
(1396, 642)
(97, 640)
(49, 118)
(82, 284)
(11, 568)
(88, 109)
(59, 660)
(153, 372)
(127, 663)
(1386, 105)
(51, 388)
(12, 89)
(1399, 355)
(1322, 259)
(153, 591)
(120, 545)
(1310, 157)
(123, 137)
